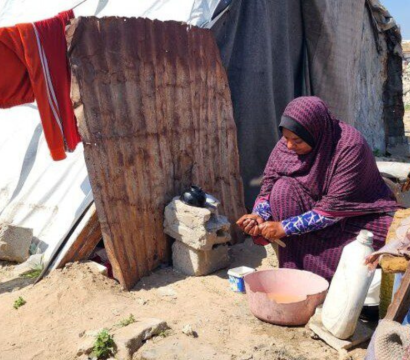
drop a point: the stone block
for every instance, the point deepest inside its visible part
(199, 228)
(190, 216)
(184, 348)
(15, 243)
(87, 342)
(198, 263)
(130, 338)
(127, 339)
(202, 237)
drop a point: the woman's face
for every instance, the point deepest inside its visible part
(295, 143)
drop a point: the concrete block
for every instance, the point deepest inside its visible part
(15, 243)
(190, 216)
(127, 339)
(198, 263)
(130, 338)
(201, 237)
(183, 348)
(87, 342)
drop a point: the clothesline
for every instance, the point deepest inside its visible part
(76, 6)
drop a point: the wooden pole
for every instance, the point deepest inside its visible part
(401, 301)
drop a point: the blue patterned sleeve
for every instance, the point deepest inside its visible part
(307, 222)
(262, 208)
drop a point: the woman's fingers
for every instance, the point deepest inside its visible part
(267, 229)
(263, 227)
(255, 231)
(248, 219)
(250, 226)
(241, 220)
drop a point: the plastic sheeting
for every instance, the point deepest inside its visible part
(261, 46)
(35, 191)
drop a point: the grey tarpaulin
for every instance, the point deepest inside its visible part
(355, 67)
(333, 54)
(352, 65)
(261, 44)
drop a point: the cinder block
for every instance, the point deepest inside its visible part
(190, 216)
(202, 237)
(199, 228)
(198, 263)
(130, 338)
(15, 243)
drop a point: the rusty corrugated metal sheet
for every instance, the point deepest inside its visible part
(155, 114)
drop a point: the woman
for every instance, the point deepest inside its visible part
(321, 186)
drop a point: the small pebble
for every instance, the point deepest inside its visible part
(188, 331)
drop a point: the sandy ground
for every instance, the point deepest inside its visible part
(77, 299)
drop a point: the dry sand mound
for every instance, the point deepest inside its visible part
(56, 310)
(77, 299)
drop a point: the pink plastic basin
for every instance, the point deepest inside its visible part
(285, 296)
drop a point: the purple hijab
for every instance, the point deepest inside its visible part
(340, 173)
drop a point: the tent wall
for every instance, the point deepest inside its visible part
(261, 44)
(354, 66)
(36, 192)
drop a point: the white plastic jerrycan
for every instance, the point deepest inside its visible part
(349, 287)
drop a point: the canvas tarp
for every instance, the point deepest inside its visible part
(261, 44)
(35, 191)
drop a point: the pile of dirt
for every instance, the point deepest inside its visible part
(77, 299)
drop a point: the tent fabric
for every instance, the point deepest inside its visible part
(261, 44)
(36, 192)
(332, 52)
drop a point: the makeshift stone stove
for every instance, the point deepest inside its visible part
(201, 236)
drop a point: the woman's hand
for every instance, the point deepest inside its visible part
(249, 224)
(272, 230)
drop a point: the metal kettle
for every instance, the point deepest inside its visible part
(194, 196)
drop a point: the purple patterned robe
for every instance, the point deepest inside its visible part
(338, 178)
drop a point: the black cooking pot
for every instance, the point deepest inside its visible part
(194, 196)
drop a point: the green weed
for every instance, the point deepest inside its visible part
(19, 302)
(104, 345)
(165, 333)
(125, 322)
(33, 274)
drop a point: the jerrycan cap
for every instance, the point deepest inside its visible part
(365, 237)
